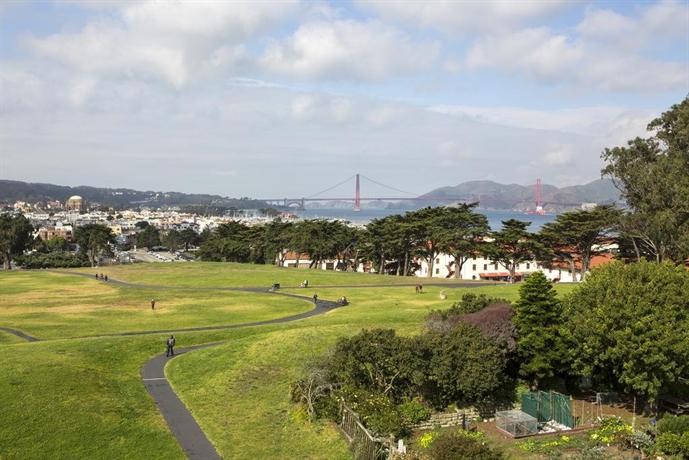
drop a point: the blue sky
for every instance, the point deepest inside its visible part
(240, 98)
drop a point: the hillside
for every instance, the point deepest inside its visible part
(11, 191)
(492, 195)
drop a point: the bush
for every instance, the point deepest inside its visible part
(673, 444)
(57, 259)
(650, 353)
(453, 446)
(378, 413)
(674, 424)
(612, 430)
(413, 411)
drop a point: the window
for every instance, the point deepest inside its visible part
(485, 266)
(473, 258)
(437, 261)
(473, 267)
(437, 271)
(496, 266)
(528, 266)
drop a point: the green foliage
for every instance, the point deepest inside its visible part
(465, 367)
(52, 260)
(579, 235)
(538, 316)
(512, 245)
(148, 237)
(94, 240)
(547, 446)
(413, 411)
(673, 444)
(15, 237)
(652, 176)
(611, 430)
(450, 445)
(628, 325)
(677, 424)
(381, 361)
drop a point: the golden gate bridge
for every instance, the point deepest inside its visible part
(299, 203)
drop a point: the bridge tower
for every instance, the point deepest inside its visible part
(357, 195)
(539, 197)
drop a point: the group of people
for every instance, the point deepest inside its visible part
(102, 277)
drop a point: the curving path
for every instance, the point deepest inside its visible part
(20, 334)
(182, 424)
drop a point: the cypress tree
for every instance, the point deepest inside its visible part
(538, 316)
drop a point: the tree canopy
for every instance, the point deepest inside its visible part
(94, 240)
(652, 177)
(16, 236)
(628, 326)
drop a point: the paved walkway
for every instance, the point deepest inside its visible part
(182, 424)
(20, 334)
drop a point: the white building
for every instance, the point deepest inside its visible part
(480, 268)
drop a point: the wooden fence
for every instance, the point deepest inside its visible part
(365, 445)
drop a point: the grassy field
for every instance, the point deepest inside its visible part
(211, 274)
(83, 398)
(50, 305)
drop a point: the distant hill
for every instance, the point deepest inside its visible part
(11, 191)
(492, 195)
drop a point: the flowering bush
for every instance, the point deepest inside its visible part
(427, 438)
(612, 430)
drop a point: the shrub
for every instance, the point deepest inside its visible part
(674, 424)
(612, 430)
(650, 353)
(378, 413)
(673, 444)
(413, 411)
(453, 446)
(495, 322)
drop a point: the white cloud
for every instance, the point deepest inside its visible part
(461, 17)
(560, 155)
(548, 57)
(535, 52)
(347, 49)
(171, 40)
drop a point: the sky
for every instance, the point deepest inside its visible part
(274, 99)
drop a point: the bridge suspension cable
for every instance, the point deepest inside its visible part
(389, 187)
(333, 187)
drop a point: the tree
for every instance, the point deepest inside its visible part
(628, 327)
(148, 237)
(465, 367)
(189, 238)
(16, 236)
(56, 244)
(427, 233)
(512, 245)
(538, 317)
(651, 175)
(172, 240)
(462, 233)
(94, 240)
(580, 235)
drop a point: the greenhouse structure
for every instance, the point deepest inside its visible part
(516, 423)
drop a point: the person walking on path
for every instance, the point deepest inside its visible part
(170, 346)
(153, 304)
(106, 277)
(315, 299)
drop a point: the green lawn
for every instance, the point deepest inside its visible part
(49, 305)
(214, 274)
(83, 398)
